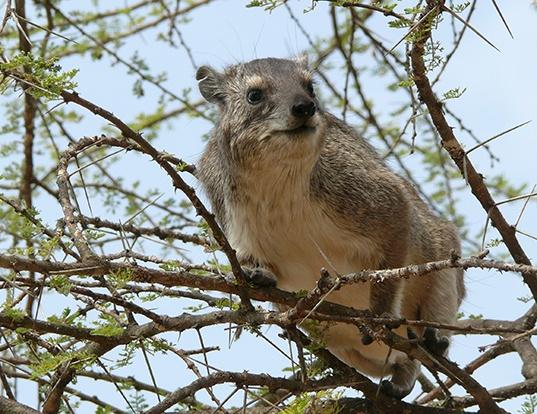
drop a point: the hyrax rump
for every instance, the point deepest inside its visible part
(296, 190)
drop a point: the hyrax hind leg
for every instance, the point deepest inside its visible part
(434, 298)
(431, 298)
(404, 374)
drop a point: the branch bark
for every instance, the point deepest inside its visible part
(14, 407)
(457, 153)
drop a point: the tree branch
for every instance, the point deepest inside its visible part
(457, 153)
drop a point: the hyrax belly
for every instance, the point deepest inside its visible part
(343, 340)
(297, 249)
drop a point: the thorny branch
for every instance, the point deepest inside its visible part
(455, 150)
(100, 265)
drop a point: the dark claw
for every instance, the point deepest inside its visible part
(367, 339)
(435, 343)
(368, 336)
(260, 277)
(411, 334)
(393, 390)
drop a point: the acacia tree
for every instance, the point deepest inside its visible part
(101, 267)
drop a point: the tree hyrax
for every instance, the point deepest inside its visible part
(296, 189)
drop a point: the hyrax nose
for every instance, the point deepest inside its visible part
(303, 108)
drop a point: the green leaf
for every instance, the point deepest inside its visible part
(14, 313)
(61, 283)
(107, 326)
(42, 77)
(453, 93)
(120, 278)
(48, 363)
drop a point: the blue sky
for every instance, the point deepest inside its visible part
(501, 92)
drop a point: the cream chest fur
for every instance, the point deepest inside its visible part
(278, 223)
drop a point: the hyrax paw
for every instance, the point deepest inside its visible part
(394, 390)
(434, 342)
(410, 334)
(259, 277)
(367, 339)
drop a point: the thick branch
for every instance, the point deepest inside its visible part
(457, 153)
(13, 407)
(178, 183)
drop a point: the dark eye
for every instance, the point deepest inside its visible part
(309, 88)
(254, 96)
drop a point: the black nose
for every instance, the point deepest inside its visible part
(303, 108)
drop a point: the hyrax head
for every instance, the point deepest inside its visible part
(268, 110)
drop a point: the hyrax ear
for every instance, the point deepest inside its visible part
(210, 84)
(303, 61)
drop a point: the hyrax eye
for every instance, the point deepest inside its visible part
(309, 88)
(254, 96)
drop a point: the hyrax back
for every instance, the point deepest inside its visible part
(296, 189)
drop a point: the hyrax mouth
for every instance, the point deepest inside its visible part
(302, 129)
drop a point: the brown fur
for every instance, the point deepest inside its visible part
(294, 201)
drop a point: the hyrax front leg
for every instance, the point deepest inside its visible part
(260, 277)
(382, 303)
(436, 299)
